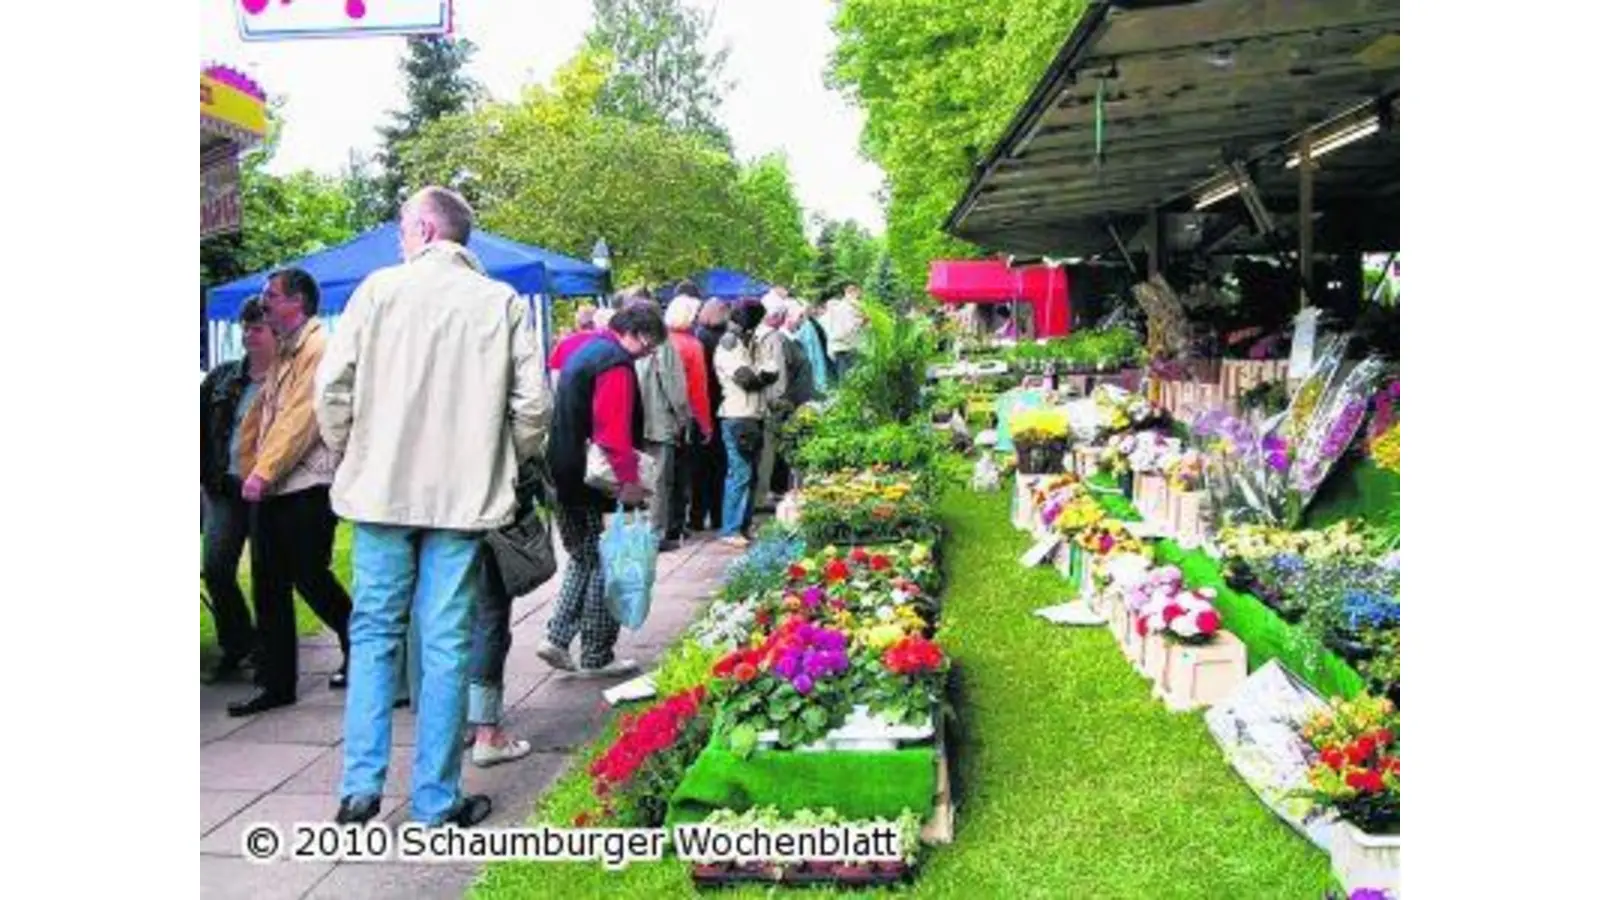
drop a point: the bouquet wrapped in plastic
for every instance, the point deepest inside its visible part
(1323, 438)
(1246, 473)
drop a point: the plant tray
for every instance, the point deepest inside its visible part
(728, 875)
(861, 731)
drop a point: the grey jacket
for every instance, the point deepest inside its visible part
(664, 392)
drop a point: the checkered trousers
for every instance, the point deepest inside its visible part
(581, 608)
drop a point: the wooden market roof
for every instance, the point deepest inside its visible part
(1189, 85)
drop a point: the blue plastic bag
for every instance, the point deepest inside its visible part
(628, 566)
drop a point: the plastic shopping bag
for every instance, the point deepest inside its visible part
(628, 566)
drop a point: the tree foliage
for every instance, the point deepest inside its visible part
(846, 253)
(284, 217)
(663, 73)
(437, 85)
(777, 219)
(938, 81)
(552, 169)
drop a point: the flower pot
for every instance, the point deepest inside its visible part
(1201, 675)
(1149, 496)
(1085, 460)
(1122, 628)
(1153, 658)
(1362, 860)
(1186, 514)
(1042, 458)
(1024, 515)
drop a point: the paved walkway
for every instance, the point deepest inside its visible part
(283, 767)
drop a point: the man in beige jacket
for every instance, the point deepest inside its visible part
(433, 390)
(287, 470)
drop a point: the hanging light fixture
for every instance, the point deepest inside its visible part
(1349, 134)
(1216, 193)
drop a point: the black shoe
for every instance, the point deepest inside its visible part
(357, 810)
(339, 680)
(402, 703)
(470, 810)
(668, 545)
(260, 702)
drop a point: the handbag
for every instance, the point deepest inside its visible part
(598, 474)
(523, 550)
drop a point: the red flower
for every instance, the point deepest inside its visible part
(582, 820)
(1332, 758)
(1383, 736)
(858, 555)
(1169, 612)
(744, 672)
(1389, 764)
(1363, 750)
(1140, 626)
(880, 562)
(911, 655)
(722, 669)
(1208, 622)
(797, 573)
(1366, 780)
(764, 618)
(836, 570)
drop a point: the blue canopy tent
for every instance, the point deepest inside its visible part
(532, 271)
(727, 284)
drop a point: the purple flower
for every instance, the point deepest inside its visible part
(788, 666)
(1278, 461)
(813, 597)
(831, 640)
(1273, 443)
(1369, 894)
(803, 684)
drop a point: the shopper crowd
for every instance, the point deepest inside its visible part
(417, 421)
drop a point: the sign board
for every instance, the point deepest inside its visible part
(287, 20)
(219, 192)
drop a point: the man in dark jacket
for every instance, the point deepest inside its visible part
(598, 400)
(225, 397)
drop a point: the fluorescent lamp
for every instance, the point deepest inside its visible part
(1337, 139)
(1216, 195)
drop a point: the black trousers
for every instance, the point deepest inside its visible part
(686, 464)
(291, 548)
(227, 525)
(710, 477)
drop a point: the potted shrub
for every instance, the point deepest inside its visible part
(1357, 773)
(1040, 438)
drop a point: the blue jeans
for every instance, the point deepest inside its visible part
(433, 574)
(737, 496)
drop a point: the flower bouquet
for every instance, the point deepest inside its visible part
(635, 777)
(1107, 537)
(1245, 473)
(1383, 444)
(907, 681)
(1186, 618)
(1331, 429)
(1357, 762)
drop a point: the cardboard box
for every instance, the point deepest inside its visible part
(1198, 676)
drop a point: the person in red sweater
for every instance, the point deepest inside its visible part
(695, 443)
(589, 326)
(597, 400)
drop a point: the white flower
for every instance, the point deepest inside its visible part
(1185, 625)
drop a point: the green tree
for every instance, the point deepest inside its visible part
(548, 170)
(778, 243)
(823, 278)
(437, 85)
(938, 81)
(284, 217)
(664, 73)
(364, 187)
(855, 253)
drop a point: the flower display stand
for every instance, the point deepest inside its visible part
(1153, 661)
(1024, 515)
(1123, 629)
(1085, 460)
(1200, 675)
(862, 731)
(1362, 860)
(1150, 496)
(1185, 514)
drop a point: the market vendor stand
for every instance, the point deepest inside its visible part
(233, 119)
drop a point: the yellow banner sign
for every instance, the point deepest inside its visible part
(232, 108)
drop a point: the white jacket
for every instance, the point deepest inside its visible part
(433, 389)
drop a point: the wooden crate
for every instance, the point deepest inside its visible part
(941, 826)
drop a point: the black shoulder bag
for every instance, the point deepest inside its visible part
(524, 550)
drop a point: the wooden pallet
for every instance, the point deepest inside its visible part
(941, 826)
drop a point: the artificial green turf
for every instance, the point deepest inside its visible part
(305, 620)
(1072, 781)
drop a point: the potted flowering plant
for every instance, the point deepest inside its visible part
(792, 683)
(909, 681)
(1356, 771)
(635, 777)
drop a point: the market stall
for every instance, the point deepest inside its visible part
(233, 118)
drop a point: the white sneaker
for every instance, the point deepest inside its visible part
(486, 755)
(609, 670)
(555, 656)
